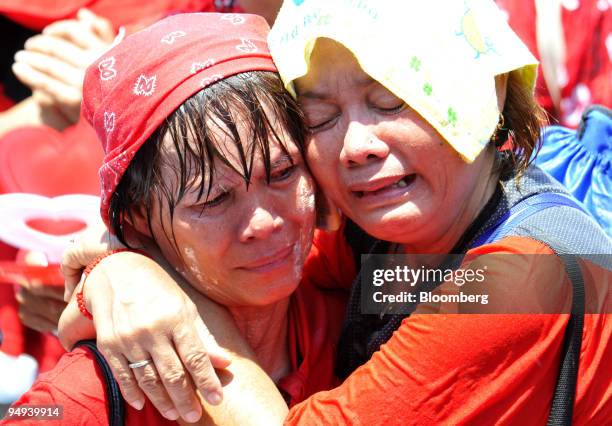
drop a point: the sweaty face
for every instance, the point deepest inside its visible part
(378, 160)
(242, 246)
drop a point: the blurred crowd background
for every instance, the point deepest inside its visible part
(45, 149)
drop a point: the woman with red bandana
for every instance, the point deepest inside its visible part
(204, 165)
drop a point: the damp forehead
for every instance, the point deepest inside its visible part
(225, 177)
(331, 65)
(229, 158)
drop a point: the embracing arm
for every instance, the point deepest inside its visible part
(140, 312)
(130, 272)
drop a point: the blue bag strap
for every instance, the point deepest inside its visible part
(523, 210)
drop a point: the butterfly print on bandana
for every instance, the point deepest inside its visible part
(170, 38)
(107, 69)
(145, 86)
(109, 121)
(247, 46)
(233, 18)
(199, 66)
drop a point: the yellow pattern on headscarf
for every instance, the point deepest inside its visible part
(440, 56)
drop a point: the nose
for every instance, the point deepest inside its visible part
(260, 225)
(361, 146)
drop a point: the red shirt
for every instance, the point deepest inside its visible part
(463, 369)
(586, 75)
(315, 319)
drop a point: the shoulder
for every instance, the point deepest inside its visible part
(568, 228)
(76, 384)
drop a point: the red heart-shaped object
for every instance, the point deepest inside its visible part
(26, 220)
(56, 226)
(43, 161)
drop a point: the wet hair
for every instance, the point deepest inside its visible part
(193, 147)
(523, 120)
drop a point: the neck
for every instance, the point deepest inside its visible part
(265, 329)
(446, 239)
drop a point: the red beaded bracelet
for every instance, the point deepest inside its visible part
(79, 297)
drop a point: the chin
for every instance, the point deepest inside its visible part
(269, 293)
(397, 224)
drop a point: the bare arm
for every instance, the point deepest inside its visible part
(122, 292)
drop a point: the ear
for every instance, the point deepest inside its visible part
(501, 87)
(138, 222)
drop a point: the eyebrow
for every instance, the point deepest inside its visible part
(313, 94)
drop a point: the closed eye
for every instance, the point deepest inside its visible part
(322, 126)
(215, 202)
(392, 110)
(283, 174)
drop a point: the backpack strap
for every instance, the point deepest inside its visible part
(116, 405)
(565, 390)
(521, 212)
(562, 407)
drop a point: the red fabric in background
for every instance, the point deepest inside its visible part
(588, 29)
(36, 14)
(5, 101)
(13, 337)
(41, 160)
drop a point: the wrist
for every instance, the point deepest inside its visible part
(84, 295)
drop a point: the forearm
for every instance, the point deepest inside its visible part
(249, 395)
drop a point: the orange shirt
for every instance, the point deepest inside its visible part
(464, 369)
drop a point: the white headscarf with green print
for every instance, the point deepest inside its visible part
(440, 56)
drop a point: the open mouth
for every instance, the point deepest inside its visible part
(403, 182)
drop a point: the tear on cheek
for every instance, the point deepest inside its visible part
(301, 248)
(192, 263)
(306, 197)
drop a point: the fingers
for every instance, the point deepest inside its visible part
(69, 287)
(42, 98)
(37, 312)
(43, 306)
(37, 80)
(58, 48)
(36, 322)
(75, 258)
(176, 382)
(44, 291)
(125, 378)
(150, 383)
(101, 26)
(77, 32)
(52, 67)
(197, 361)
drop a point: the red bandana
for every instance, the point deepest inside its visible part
(130, 91)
